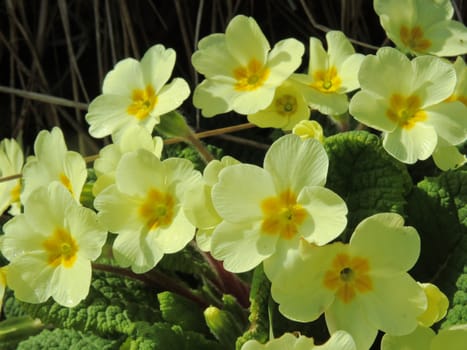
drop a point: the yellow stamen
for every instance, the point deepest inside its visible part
(157, 209)
(61, 248)
(459, 98)
(286, 105)
(413, 38)
(282, 215)
(143, 103)
(251, 77)
(405, 111)
(347, 276)
(326, 80)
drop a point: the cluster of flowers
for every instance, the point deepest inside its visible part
(279, 215)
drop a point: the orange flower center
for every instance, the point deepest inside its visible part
(286, 105)
(413, 38)
(405, 111)
(157, 209)
(251, 77)
(61, 248)
(143, 103)
(347, 276)
(282, 215)
(15, 193)
(326, 80)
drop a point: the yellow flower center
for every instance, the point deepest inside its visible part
(143, 102)
(157, 209)
(15, 193)
(66, 182)
(61, 248)
(347, 276)
(282, 215)
(326, 80)
(405, 111)
(250, 77)
(286, 105)
(413, 38)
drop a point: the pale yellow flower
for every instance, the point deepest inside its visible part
(241, 71)
(11, 163)
(136, 92)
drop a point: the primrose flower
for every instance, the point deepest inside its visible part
(137, 92)
(331, 75)
(422, 27)
(423, 338)
(11, 163)
(287, 108)
(50, 247)
(309, 129)
(198, 205)
(132, 138)
(406, 100)
(144, 208)
(340, 340)
(53, 162)
(265, 212)
(242, 72)
(361, 287)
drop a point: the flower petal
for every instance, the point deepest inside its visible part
(328, 213)
(241, 247)
(72, 284)
(449, 121)
(410, 145)
(394, 304)
(434, 79)
(352, 319)
(171, 96)
(295, 163)
(157, 65)
(125, 77)
(175, 237)
(238, 195)
(371, 110)
(393, 246)
(283, 60)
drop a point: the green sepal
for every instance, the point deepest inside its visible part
(173, 124)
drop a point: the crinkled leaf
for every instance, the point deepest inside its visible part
(163, 336)
(438, 210)
(259, 314)
(457, 313)
(113, 305)
(368, 179)
(180, 311)
(67, 339)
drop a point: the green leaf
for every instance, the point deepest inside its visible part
(67, 339)
(163, 336)
(457, 314)
(259, 313)
(438, 210)
(368, 179)
(180, 311)
(113, 305)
